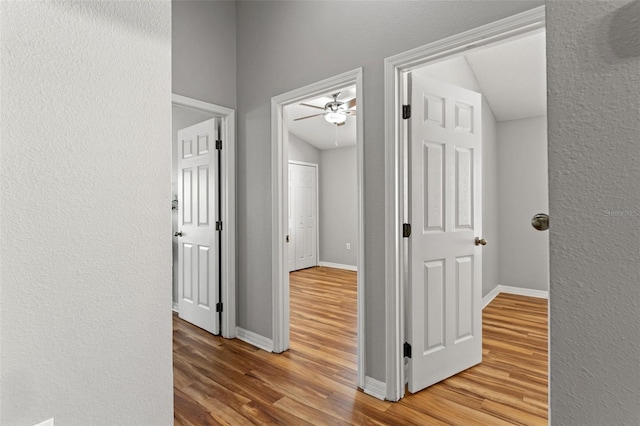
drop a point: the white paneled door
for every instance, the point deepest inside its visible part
(445, 327)
(198, 260)
(303, 211)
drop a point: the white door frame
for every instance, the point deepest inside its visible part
(228, 200)
(279, 165)
(317, 225)
(395, 70)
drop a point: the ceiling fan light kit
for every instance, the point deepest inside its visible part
(335, 117)
(335, 112)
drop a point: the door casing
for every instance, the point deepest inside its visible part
(279, 191)
(395, 72)
(228, 201)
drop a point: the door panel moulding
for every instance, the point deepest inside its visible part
(227, 198)
(279, 184)
(395, 70)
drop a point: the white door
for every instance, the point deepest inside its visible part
(445, 327)
(291, 246)
(198, 259)
(303, 198)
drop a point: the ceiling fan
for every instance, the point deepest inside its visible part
(335, 111)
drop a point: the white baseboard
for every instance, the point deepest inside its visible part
(375, 388)
(254, 339)
(542, 294)
(339, 266)
(174, 307)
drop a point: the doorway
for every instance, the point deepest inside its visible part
(208, 131)
(283, 107)
(435, 106)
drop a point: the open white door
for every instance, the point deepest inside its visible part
(303, 200)
(198, 250)
(445, 329)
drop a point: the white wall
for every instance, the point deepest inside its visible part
(180, 118)
(85, 125)
(593, 68)
(457, 71)
(204, 50)
(279, 50)
(301, 150)
(524, 191)
(339, 206)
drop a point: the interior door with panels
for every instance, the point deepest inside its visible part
(445, 272)
(198, 245)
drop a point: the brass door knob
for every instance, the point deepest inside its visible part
(481, 241)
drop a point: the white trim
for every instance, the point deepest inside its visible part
(279, 157)
(542, 294)
(339, 266)
(254, 339)
(395, 68)
(529, 292)
(374, 387)
(174, 306)
(228, 172)
(317, 188)
(490, 296)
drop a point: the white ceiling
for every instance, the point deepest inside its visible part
(316, 130)
(511, 76)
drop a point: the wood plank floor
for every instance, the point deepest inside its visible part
(219, 381)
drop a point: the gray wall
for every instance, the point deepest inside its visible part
(458, 72)
(180, 118)
(279, 50)
(301, 150)
(594, 166)
(339, 206)
(204, 50)
(524, 191)
(85, 324)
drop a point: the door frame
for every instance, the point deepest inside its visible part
(395, 71)
(317, 172)
(227, 198)
(279, 195)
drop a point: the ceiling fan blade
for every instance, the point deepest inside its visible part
(308, 116)
(349, 112)
(341, 124)
(312, 106)
(349, 104)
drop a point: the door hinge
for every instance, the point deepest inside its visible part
(218, 226)
(407, 350)
(218, 144)
(406, 111)
(219, 307)
(406, 230)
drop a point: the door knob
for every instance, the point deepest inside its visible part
(481, 241)
(540, 221)
(178, 234)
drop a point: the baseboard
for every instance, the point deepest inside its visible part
(375, 388)
(339, 266)
(489, 297)
(174, 307)
(542, 294)
(254, 339)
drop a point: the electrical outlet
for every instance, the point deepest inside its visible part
(348, 246)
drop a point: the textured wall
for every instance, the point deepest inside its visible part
(339, 206)
(204, 50)
(279, 49)
(524, 191)
(593, 50)
(85, 256)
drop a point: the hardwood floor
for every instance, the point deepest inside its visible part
(219, 381)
